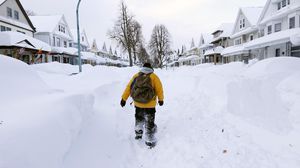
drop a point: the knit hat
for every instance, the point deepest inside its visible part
(148, 65)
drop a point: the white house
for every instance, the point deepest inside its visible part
(221, 40)
(16, 36)
(245, 30)
(14, 18)
(205, 45)
(54, 30)
(84, 42)
(278, 24)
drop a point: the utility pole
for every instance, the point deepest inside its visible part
(78, 37)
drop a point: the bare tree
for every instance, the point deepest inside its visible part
(136, 38)
(121, 31)
(159, 45)
(143, 55)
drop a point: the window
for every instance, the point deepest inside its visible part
(270, 29)
(242, 23)
(292, 22)
(61, 28)
(8, 29)
(279, 6)
(251, 37)
(53, 42)
(16, 15)
(277, 27)
(238, 41)
(9, 12)
(82, 39)
(58, 42)
(70, 45)
(3, 28)
(65, 44)
(277, 52)
(283, 3)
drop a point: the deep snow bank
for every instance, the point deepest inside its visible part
(255, 95)
(37, 124)
(18, 80)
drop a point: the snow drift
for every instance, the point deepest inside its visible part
(232, 115)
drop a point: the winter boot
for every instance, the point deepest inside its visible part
(150, 144)
(138, 134)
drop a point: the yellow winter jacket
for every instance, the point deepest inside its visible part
(158, 88)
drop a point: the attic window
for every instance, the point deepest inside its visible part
(9, 12)
(16, 15)
(242, 23)
(61, 28)
(283, 4)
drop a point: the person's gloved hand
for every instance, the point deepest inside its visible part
(123, 103)
(161, 103)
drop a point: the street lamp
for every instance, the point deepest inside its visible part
(78, 36)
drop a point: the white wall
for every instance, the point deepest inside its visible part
(15, 29)
(22, 20)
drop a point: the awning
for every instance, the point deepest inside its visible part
(189, 58)
(62, 50)
(272, 39)
(88, 56)
(21, 40)
(234, 50)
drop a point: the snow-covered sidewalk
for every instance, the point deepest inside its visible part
(228, 116)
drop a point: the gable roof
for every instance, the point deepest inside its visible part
(252, 14)
(82, 33)
(264, 10)
(23, 12)
(46, 23)
(226, 29)
(16, 39)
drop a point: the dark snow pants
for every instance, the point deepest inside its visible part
(145, 117)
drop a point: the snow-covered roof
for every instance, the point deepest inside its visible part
(206, 45)
(192, 57)
(10, 38)
(88, 56)
(62, 50)
(245, 31)
(226, 29)
(45, 23)
(15, 22)
(252, 14)
(217, 50)
(273, 39)
(279, 14)
(233, 50)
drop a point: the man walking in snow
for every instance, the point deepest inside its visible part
(145, 88)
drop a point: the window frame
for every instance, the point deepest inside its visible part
(9, 12)
(294, 19)
(58, 42)
(269, 29)
(16, 15)
(275, 27)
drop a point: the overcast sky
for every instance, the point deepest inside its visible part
(185, 19)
